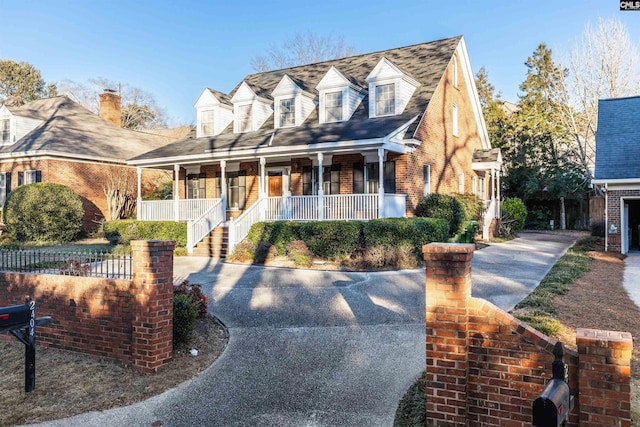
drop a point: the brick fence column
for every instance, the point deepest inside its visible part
(152, 299)
(448, 290)
(604, 361)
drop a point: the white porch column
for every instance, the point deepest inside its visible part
(493, 189)
(381, 183)
(139, 198)
(320, 189)
(176, 192)
(223, 187)
(498, 208)
(262, 187)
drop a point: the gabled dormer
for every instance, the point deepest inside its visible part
(13, 126)
(390, 89)
(214, 112)
(339, 96)
(292, 103)
(250, 111)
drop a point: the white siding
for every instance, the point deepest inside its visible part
(223, 117)
(333, 79)
(404, 92)
(353, 100)
(23, 126)
(306, 108)
(261, 112)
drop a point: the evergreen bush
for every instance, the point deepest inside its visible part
(125, 230)
(330, 239)
(185, 312)
(442, 206)
(514, 212)
(43, 212)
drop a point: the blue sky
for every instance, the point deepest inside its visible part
(174, 49)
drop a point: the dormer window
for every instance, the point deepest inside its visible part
(287, 112)
(333, 107)
(206, 123)
(244, 118)
(385, 99)
(5, 131)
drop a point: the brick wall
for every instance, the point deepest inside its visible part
(485, 368)
(130, 321)
(613, 215)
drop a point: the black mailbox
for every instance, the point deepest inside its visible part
(15, 316)
(552, 406)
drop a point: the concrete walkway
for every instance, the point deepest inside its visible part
(632, 275)
(320, 348)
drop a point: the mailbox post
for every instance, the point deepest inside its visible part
(21, 322)
(552, 406)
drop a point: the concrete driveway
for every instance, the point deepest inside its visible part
(317, 348)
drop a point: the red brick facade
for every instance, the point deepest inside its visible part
(614, 210)
(130, 321)
(485, 368)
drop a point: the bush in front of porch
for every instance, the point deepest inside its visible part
(125, 230)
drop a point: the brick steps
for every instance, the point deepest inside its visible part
(214, 245)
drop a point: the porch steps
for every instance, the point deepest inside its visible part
(214, 245)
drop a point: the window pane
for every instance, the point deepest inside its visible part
(206, 123)
(307, 186)
(426, 176)
(5, 136)
(333, 107)
(372, 178)
(244, 118)
(358, 178)
(390, 177)
(287, 112)
(385, 99)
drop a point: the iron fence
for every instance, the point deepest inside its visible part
(101, 264)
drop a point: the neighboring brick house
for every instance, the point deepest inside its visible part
(58, 140)
(617, 171)
(361, 137)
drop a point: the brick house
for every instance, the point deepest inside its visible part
(361, 137)
(617, 171)
(58, 140)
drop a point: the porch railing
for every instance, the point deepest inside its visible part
(239, 228)
(198, 228)
(165, 210)
(489, 214)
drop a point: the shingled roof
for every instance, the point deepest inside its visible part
(71, 130)
(426, 63)
(618, 139)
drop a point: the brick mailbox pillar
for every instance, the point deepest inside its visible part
(448, 268)
(152, 288)
(604, 377)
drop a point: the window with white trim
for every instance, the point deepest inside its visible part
(29, 177)
(287, 112)
(196, 186)
(461, 183)
(481, 188)
(5, 131)
(385, 99)
(333, 107)
(206, 123)
(366, 177)
(244, 118)
(454, 67)
(454, 120)
(426, 176)
(5, 186)
(474, 185)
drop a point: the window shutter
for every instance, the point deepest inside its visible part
(358, 178)
(242, 189)
(38, 176)
(390, 177)
(8, 182)
(335, 179)
(20, 178)
(307, 189)
(218, 183)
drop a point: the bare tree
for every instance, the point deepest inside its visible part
(119, 187)
(139, 108)
(602, 64)
(301, 49)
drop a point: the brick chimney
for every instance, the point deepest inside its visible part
(111, 107)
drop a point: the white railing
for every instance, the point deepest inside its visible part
(239, 228)
(395, 206)
(165, 210)
(351, 206)
(489, 214)
(199, 228)
(297, 208)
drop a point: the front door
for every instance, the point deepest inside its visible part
(275, 184)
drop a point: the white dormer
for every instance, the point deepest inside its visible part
(250, 111)
(214, 113)
(339, 97)
(15, 126)
(389, 89)
(292, 104)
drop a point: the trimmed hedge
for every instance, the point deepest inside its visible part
(125, 230)
(413, 232)
(43, 212)
(330, 239)
(278, 233)
(471, 206)
(442, 206)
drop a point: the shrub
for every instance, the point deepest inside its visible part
(263, 252)
(243, 252)
(195, 294)
(468, 234)
(442, 206)
(514, 213)
(377, 257)
(538, 219)
(299, 253)
(471, 206)
(125, 230)
(412, 232)
(44, 212)
(330, 239)
(598, 228)
(278, 233)
(185, 313)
